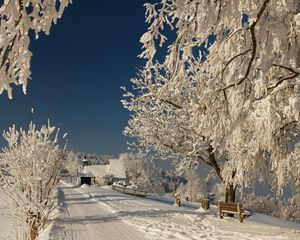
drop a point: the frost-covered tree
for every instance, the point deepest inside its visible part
(30, 168)
(142, 171)
(223, 90)
(71, 163)
(94, 159)
(18, 17)
(191, 190)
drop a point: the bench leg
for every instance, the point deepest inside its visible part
(220, 212)
(241, 219)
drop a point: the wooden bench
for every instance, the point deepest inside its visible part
(233, 208)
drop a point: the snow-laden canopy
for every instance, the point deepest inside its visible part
(225, 90)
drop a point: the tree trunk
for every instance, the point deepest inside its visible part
(33, 221)
(230, 193)
(33, 232)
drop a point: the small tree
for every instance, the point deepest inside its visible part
(30, 171)
(72, 163)
(142, 171)
(192, 187)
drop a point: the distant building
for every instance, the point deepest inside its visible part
(86, 178)
(104, 174)
(117, 169)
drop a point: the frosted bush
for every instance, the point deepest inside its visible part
(30, 169)
(104, 179)
(288, 210)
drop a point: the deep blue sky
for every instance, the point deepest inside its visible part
(77, 72)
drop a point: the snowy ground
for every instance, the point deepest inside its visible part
(102, 213)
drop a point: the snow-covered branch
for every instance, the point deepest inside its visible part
(18, 18)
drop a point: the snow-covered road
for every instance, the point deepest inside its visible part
(83, 218)
(102, 213)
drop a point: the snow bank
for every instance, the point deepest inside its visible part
(85, 186)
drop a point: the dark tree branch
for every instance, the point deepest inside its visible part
(294, 74)
(213, 162)
(227, 64)
(292, 125)
(254, 45)
(253, 38)
(171, 103)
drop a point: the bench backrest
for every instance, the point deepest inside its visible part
(230, 206)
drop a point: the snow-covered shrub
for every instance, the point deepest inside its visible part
(104, 179)
(266, 205)
(288, 210)
(30, 168)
